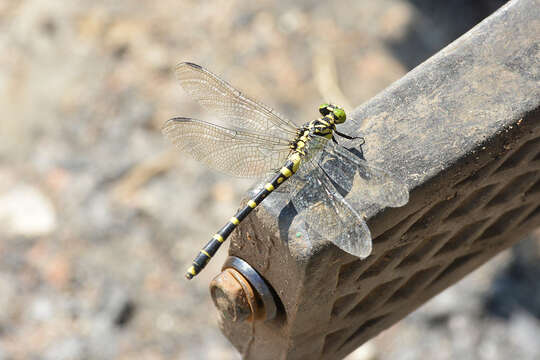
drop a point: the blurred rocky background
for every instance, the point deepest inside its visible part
(99, 217)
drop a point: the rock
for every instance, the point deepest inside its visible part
(26, 211)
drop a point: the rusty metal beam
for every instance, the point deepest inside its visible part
(463, 130)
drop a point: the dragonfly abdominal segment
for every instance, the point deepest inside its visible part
(248, 139)
(206, 253)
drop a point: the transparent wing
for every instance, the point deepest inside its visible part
(239, 153)
(362, 184)
(327, 213)
(229, 105)
(330, 187)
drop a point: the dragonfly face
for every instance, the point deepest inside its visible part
(338, 112)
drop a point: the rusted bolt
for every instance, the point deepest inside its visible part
(234, 297)
(241, 294)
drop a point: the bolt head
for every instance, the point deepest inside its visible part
(234, 297)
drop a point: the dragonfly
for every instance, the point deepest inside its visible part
(327, 183)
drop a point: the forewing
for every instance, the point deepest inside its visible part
(327, 213)
(233, 108)
(362, 183)
(239, 153)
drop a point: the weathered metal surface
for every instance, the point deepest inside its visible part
(463, 130)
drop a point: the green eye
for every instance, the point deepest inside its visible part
(340, 115)
(323, 106)
(323, 109)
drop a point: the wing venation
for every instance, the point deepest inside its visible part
(238, 153)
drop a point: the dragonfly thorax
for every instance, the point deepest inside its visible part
(323, 127)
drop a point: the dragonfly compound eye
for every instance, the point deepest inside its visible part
(324, 109)
(339, 113)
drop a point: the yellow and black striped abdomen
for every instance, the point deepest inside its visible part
(213, 245)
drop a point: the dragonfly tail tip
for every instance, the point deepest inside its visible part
(191, 273)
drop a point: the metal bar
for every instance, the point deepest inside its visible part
(463, 129)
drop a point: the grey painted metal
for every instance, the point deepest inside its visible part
(463, 130)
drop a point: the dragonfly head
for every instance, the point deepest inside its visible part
(337, 112)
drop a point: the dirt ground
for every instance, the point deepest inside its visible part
(99, 216)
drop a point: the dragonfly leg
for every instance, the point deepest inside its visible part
(345, 135)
